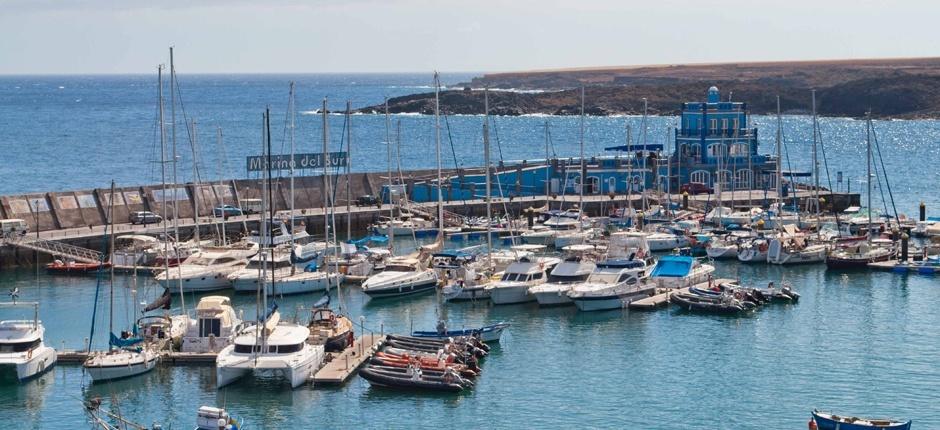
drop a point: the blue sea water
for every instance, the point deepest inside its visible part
(857, 342)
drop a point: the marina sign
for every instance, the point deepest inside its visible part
(256, 163)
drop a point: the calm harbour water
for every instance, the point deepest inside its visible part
(857, 342)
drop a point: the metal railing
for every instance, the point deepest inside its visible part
(56, 248)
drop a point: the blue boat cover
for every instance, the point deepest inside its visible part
(673, 266)
(124, 343)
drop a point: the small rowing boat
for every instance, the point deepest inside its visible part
(829, 421)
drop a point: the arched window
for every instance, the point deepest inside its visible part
(700, 177)
(723, 177)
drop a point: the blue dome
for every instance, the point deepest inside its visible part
(713, 95)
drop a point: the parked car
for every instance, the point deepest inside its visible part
(226, 211)
(695, 188)
(145, 217)
(367, 200)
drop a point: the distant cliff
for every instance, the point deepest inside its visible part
(899, 88)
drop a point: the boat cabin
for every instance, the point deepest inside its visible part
(282, 339)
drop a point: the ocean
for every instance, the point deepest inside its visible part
(856, 343)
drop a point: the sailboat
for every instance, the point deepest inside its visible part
(127, 355)
(269, 345)
(579, 235)
(858, 255)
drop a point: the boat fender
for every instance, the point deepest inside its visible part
(812, 424)
(29, 354)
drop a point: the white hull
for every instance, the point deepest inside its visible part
(554, 297)
(719, 252)
(751, 255)
(213, 281)
(27, 365)
(246, 280)
(122, 364)
(613, 299)
(801, 257)
(476, 292)
(563, 240)
(296, 368)
(506, 295)
(546, 238)
(666, 243)
(305, 282)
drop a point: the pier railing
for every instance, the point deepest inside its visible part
(57, 249)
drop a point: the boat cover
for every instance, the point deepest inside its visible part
(673, 266)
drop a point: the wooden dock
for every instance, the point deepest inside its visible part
(166, 358)
(342, 365)
(653, 302)
(662, 299)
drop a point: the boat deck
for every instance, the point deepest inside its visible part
(342, 365)
(662, 299)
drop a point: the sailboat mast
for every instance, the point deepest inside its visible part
(582, 172)
(221, 183)
(196, 188)
(815, 159)
(348, 168)
(437, 139)
(293, 115)
(163, 161)
(262, 298)
(779, 155)
(868, 166)
(326, 188)
(391, 204)
(111, 251)
(547, 169)
(176, 205)
(486, 163)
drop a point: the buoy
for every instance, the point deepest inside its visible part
(812, 424)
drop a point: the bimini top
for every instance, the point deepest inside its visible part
(673, 266)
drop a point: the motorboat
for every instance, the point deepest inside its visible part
(487, 333)
(135, 250)
(212, 418)
(213, 328)
(614, 284)
(308, 281)
(558, 225)
(282, 231)
(661, 241)
(830, 421)
(333, 331)
(402, 276)
(269, 346)
(574, 269)
(680, 271)
(406, 226)
(23, 353)
(539, 235)
(121, 362)
(163, 332)
(718, 304)
(514, 285)
(207, 270)
(286, 260)
(70, 267)
(726, 247)
(574, 237)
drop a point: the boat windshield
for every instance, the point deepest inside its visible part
(399, 268)
(272, 349)
(19, 346)
(605, 277)
(201, 261)
(520, 277)
(567, 279)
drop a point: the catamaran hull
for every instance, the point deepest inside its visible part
(296, 373)
(33, 365)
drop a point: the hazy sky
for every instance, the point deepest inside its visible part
(243, 36)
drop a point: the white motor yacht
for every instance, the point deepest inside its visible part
(23, 354)
(614, 284)
(576, 267)
(286, 261)
(207, 270)
(402, 276)
(403, 227)
(680, 271)
(214, 326)
(514, 286)
(795, 249)
(271, 347)
(660, 241)
(302, 282)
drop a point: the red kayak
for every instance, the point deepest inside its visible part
(73, 267)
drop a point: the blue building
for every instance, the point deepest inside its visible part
(714, 145)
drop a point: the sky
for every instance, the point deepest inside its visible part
(371, 36)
